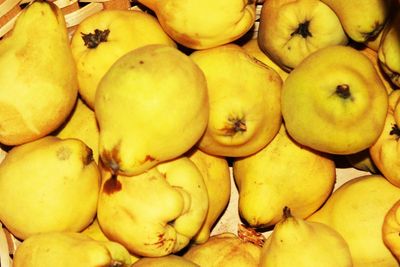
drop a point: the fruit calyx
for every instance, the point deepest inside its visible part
(343, 91)
(234, 125)
(92, 40)
(303, 30)
(395, 131)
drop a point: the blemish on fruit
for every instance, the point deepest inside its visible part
(89, 156)
(112, 185)
(141, 62)
(148, 158)
(63, 153)
(234, 125)
(111, 159)
(303, 30)
(92, 40)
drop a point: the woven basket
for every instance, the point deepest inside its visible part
(74, 12)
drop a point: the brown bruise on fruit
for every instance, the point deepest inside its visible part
(147, 158)
(89, 156)
(303, 30)
(92, 40)
(161, 240)
(112, 185)
(234, 125)
(63, 153)
(111, 159)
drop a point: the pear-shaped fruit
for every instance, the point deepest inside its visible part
(244, 96)
(217, 178)
(361, 20)
(151, 106)
(224, 249)
(37, 75)
(329, 97)
(266, 184)
(49, 184)
(82, 124)
(296, 242)
(357, 210)
(165, 261)
(68, 249)
(100, 39)
(290, 30)
(389, 49)
(155, 213)
(385, 152)
(204, 24)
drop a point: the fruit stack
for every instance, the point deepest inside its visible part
(124, 136)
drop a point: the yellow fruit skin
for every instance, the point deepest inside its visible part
(225, 249)
(317, 108)
(216, 174)
(185, 21)
(266, 185)
(82, 125)
(117, 250)
(296, 242)
(53, 184)
(361, 20)
(142, 118)
(385, 151)
(64, 249)
(356, 210)
(128, 29)
(254, 50)
(165, 261)
(391, 229)
(389, 49)
(155, 213)
(290, 30)
(373, 56)
(244, 96)
(37, 75)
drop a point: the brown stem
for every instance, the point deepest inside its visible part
(343, 90)
(286, 213)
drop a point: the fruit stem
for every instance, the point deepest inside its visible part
(303, 30)
(286, 213)
(343, 90)
(92, 40)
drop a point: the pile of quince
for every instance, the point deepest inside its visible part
(119, 140)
